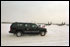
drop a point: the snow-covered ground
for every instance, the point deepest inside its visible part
(56, 36)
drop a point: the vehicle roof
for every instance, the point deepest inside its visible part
(22, 23)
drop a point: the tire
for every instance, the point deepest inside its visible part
(42, 33)
(18, 34)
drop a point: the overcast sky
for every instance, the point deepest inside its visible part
(35, 11)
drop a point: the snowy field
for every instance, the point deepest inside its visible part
(56, 36)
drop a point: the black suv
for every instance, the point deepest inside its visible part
(21, 28)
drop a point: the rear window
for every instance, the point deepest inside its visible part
(16, 24)
(19, 24)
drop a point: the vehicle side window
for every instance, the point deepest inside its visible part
(19, 24)
(33, 26)
(26, 25)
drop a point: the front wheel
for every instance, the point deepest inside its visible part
(18, 34)
(42, 33)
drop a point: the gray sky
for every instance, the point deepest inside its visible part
(35, 11)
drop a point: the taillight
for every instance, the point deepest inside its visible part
(10, 28)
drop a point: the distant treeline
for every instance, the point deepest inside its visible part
(6, 22)
(49, 23)
(59, 24)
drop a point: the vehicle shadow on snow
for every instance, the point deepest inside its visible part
(30, 34)
(25, 35)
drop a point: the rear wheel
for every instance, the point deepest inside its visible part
(42, 33)
(18, 34)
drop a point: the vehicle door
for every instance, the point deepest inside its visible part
(34, 28)
(27, 27)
